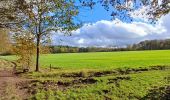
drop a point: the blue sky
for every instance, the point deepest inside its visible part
(98, 13)
(99, 30)
(93, 15)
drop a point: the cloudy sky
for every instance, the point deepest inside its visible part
(100, 30)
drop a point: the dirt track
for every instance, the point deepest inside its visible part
(8, 85)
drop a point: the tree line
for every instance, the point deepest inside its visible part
(70, 49)
(20, 42)
(151, 45)
(143, 45)
(35, 20)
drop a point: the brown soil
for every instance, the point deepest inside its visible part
(8, 84)
(158, 93)
(120, 71)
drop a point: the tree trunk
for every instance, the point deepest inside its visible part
(37, 53)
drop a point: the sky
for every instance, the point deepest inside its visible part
(100, 31)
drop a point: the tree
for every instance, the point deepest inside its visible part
(4, 41)
(24, 48)
(121, 9)
(41, 17)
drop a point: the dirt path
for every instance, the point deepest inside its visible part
(8, 86)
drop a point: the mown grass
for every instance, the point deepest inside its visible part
(103, 60)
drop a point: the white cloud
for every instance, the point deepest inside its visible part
(142, 13)
(116, 32)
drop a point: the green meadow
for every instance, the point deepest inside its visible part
(104, 60)
(127, 75)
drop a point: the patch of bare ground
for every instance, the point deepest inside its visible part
(78, 79)
(119, 71)
(32, 86)
(81, 78)
(158, 93)
(8, 83)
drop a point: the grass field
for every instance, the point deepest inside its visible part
(104, 60)
(102, 76)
